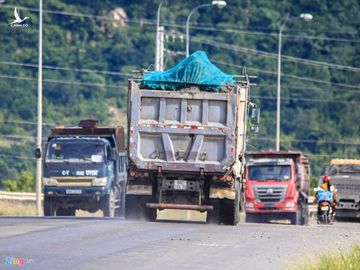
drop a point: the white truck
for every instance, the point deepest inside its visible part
(186, 147)
(345, 175)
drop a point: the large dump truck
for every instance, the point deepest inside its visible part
(277, 186)
(85, 168)
(186, 141)
(345, 175)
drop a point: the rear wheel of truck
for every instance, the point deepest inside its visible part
(305, 214)
(149, 214)
(295, 218)
(131, 207)
(231, 208)
(120, 211)
(49, 209)
(136, 208)
(252, 218)
(63, 212)
(213, 216)
(110, 203)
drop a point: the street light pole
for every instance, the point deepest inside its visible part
(306, 17)
(39, 120)
(219, 4)
(157, 49)
(279, 89)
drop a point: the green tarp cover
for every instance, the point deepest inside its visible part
(193, 70)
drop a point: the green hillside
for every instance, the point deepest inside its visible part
(88, 57)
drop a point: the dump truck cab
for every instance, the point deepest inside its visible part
(277, 186)
(345, 176)
(84, 169)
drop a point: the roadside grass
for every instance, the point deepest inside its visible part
(18, 208)
(344, 261)
(13, 208)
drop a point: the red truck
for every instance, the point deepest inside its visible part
(277, 186)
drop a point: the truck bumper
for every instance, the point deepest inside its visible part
(75, 192)
(342, 213)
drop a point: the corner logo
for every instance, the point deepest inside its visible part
(18, 22)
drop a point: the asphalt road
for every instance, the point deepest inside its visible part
(99, 243)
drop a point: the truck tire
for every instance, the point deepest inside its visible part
(136, 208)
(213, 217)
(251, 218)
(49, 209)
(120, 211)
(150, 214)
(295, 218)
(305, 215)
(109, 203)
(64, 212)
(131, 207)
(231, 208)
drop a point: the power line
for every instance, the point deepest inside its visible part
(20, 122)
(60, 82)
(11, 136)
(67, 69)
(17, 157)
(308, 141)
(291, 76)
(307, 100)
(274, 55)
(143, 21)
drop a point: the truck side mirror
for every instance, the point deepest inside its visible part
(112, 155)
(37, 153)
(300, 176)
(254, 114)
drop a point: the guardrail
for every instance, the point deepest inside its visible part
(26, 197)
(19, 196)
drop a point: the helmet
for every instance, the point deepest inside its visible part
(326, 178)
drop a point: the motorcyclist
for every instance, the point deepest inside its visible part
(326, 185)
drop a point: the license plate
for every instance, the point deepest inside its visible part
(324, 208)
(180, 184)
(269, 205)
(73, 191)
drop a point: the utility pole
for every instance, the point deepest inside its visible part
(38, 151)
(159, 50)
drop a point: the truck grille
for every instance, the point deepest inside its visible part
(74, 182)
(270, 193)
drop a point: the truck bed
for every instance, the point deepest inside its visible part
(185, 130)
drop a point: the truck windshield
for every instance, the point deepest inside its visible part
(344, 169)
(269, 172)
(75, 152)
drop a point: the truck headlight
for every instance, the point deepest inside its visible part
(49, 181)
(249, 205)
(99, 181)
(289, 204)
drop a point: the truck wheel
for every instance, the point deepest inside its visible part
(305, 215)
(109, 206)
(231, 208)
(49, 209)
(251, 218)
(131, 207)
(64, 212)
(295, 218)
(120, 211)
(150, 214)
(213, 217)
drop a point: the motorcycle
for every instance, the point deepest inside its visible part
(325, 210)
